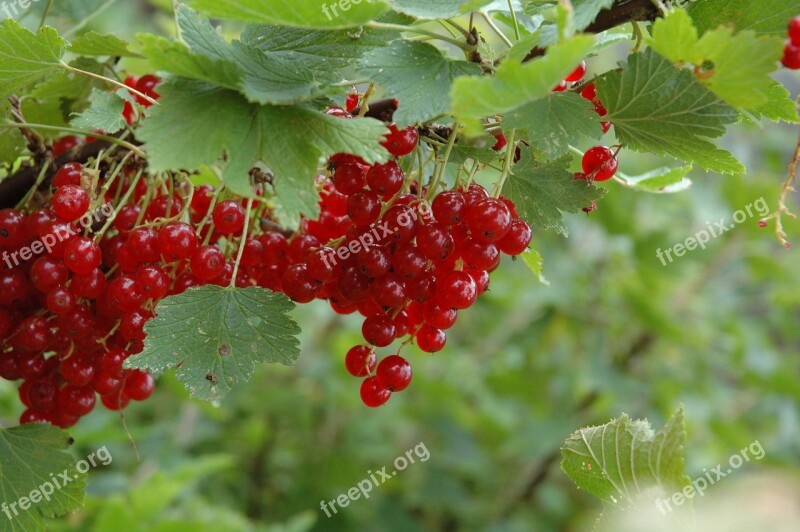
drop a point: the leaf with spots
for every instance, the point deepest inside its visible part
(32, 459)
(621, 461)
(214, 337)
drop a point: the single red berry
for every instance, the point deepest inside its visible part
(82, 255)
(201, 200)
(794, 30)
(69, 174)
(13, 230)
(374, 262)
(561, 87)
(298, 284)
(386, 180)
(488, 220)
(379, 331)
(600, 163)
(349, 178)
(389, 292)
(590, 92)
(501, 143)
(60, 300)
(578, 73)
(351, 103)
(517, 239)
(91, 286)
(139, 385)
(144, 245)
(207, 263)
(115, 401)
(364, 207)
(456, 290)
(124, 294)
(147, 85)
(408, 261)
(131, 325)
(481, 255)
(401, 142)
(48, 273)
(76, 400)
(360, 360)
(153, 282)
(435, 241)
(394, 373)
(70, 202)
(430, 339)
(177, 241)
(78, 370)
(791, 56)
(228, 217)
(373, 394)
(439, 317)
(126, 219)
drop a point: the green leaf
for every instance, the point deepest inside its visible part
(93, 43)
(215, 336)
(26, 57)
(764, 17)
(658, 108)
(418, 75)
(779, 106)
(71, 85)
(556, 121)
(516, 84)
(533, 260)
(621, 460)
(427, 9)
(291, 140)
(661, 180)
(325, 53)
(543, 190)
(11, 140)
(587, 10)
(104, 113)
(31, 457)
(736, 68)
(299, 13)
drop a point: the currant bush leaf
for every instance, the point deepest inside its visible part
(30, 456)
(622, 460)
(516, 84)
(555, 121)
(95, 44)
(661, 180)
(298, 13)
(104, 113)
(763, 17)
(26, 57)
(68, 85)
(543, 191)
(658, 108)
(426, 9)
(779, 106)
(675, 37)
(291, 140)
(214, 337)
(586, 11)
(418, 75)
(534, 261)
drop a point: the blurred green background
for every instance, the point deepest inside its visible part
(717, 331)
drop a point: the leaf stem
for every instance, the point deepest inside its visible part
(420, 31)
(514, 18)
(114, 140)
(443, 163)
(241, 244)
(497, 30)
(42, 173)
(509, 161)
(111, 81)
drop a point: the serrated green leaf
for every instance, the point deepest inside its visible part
(427, 9)
(325, 53)
(779, 106)
(764, 17)
(291, 140)
(31, 456)
(621, 460)
(297, 13)
(11, 140)
(26, 57)
(214, 337)
(104, 113)
(556, 121)
(516, 84)
(534, 261)
(94, 44)
(542, 191)
(418, 75)
(660, 181)
(71, 85)
(586, 11)
(658, 108)
(675, 38)
(462, 152)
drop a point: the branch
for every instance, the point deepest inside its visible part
(622, 12)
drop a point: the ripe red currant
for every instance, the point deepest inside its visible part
(207, 263)
(373, 394)
(386, 180)
(69, 174)
(794, 30)
(401, 142)
(360, 360)
(228, 217)
(379, 331)
(394, 373)
(70, 202)
(600, 162)
(578, 73)
(176, 241)
(82, 255)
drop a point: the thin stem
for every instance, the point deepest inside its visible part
(443, 164)
(461, 29)
(111, 81)
(509, 161)
(241, 244)
(121, 204)
(42, 173)
(514, 18)
(45, 13)
(787, 189)
(420, 31)
(497, 30)
(114, 140)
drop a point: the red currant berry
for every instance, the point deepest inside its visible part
(363, 207)
(590, 92)
(60, 300)
(401, 142)
(430, 339)
(488, 220)
(153, 282)
(456, 290)
(131, 325)
(360, 360)
(439, 317)
(48, 273)
(147, 85)
(139, 385)
(106, 384)
(435, 241)
(13, 230)
(386, 180)
(78, 370)
(577, 74)
(69, 174)
(517, 239)
(207, 263)
(449, 208)
(389, 292)
(394, 373)
(298, 284)
(124, 294)
(349, 178)
(228, 217)
(351, 102)
(177, 241)
(76, 400)
(373, 394)
(379, 330)
(374, 262)
(791, 56)
(408, 261)
(480, 255)
(82, 255)
(600, 162)
(91, 286)
(794, 30)
(501, 143)
(70, 202)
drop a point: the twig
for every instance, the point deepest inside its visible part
(788, 188)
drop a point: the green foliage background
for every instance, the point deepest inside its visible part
(716, 331)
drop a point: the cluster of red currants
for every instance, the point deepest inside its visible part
(791, 53)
